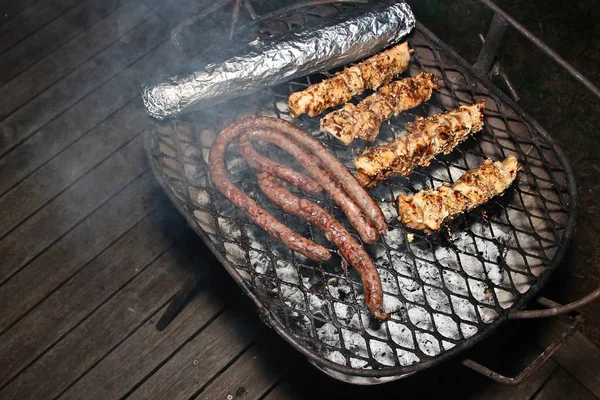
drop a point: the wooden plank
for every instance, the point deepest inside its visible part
(106, 328)
(562, 385)
(11, 8)
(62, 214)
(249, 377)
(90, 75)
(80, 295)
(579, 355)
(30, 20)
(524, 391)
(78, 121)
(198, 361)
(62, 171)
(106, 225)
(283, 391)
(50, 37)
(147, 349)
(69, 56)
(90, 111)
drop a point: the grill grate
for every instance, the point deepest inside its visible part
(446, 290)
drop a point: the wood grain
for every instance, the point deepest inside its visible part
(249, 377)
(31, 49)
(82, 294)
(63, 213)
(100, 332)
(62, 171)
(200, 359)
(27, 17)
(60, 262)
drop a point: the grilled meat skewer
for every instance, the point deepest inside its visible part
(364, 120)
(427, 137)
(335, 232)
(369, 74)
(428, 210)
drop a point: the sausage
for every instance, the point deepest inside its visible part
(290, 175)
(338, 170)
(335, 232)
(220, 178)
(354, 214)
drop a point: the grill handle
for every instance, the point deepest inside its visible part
(576, 321)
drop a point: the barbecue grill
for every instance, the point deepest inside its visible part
(446, 291)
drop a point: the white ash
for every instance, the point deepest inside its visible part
(487, 314)
(206, 221)
(472, 266)
(389, 211)
(402, 264)
(286, 271)
(339, 289)
(382, 353)
(346, 315)
(282, 106)
(455, 283)
(229, 229)
(437, 300)
(468, 330)
(495, 273)
(428, 344)
(420, 317)
(395, 238)
(429, 273)
(520, 281)
(406, 358)
(244, 275)
(358, 363)
(447, 258)
(376, 330)
(301, 323)
(235, 253)
(464, 309)
(422, 252)
(329, 335)
(401, 334)
(335, 356)
(200, 197)
(259, 261)
(447, 345)
(481, 292)
(355, 343)
(254, 235)
(393, 305)
(318, 306)
(446, 326)
(388, 282)
(293, 297)
(505, 298)
(411, 290)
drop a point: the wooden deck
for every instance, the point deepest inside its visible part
(92, 253)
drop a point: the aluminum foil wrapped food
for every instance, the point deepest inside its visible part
(301, 51)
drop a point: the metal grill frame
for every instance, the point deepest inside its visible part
(271, 320)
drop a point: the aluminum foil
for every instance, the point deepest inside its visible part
(301, 51)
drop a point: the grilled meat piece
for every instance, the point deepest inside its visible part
(323, 178)
(369, 74)
(426, 138)
(350, 249)
(364, 120)
(428, 210)
(260, 216)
